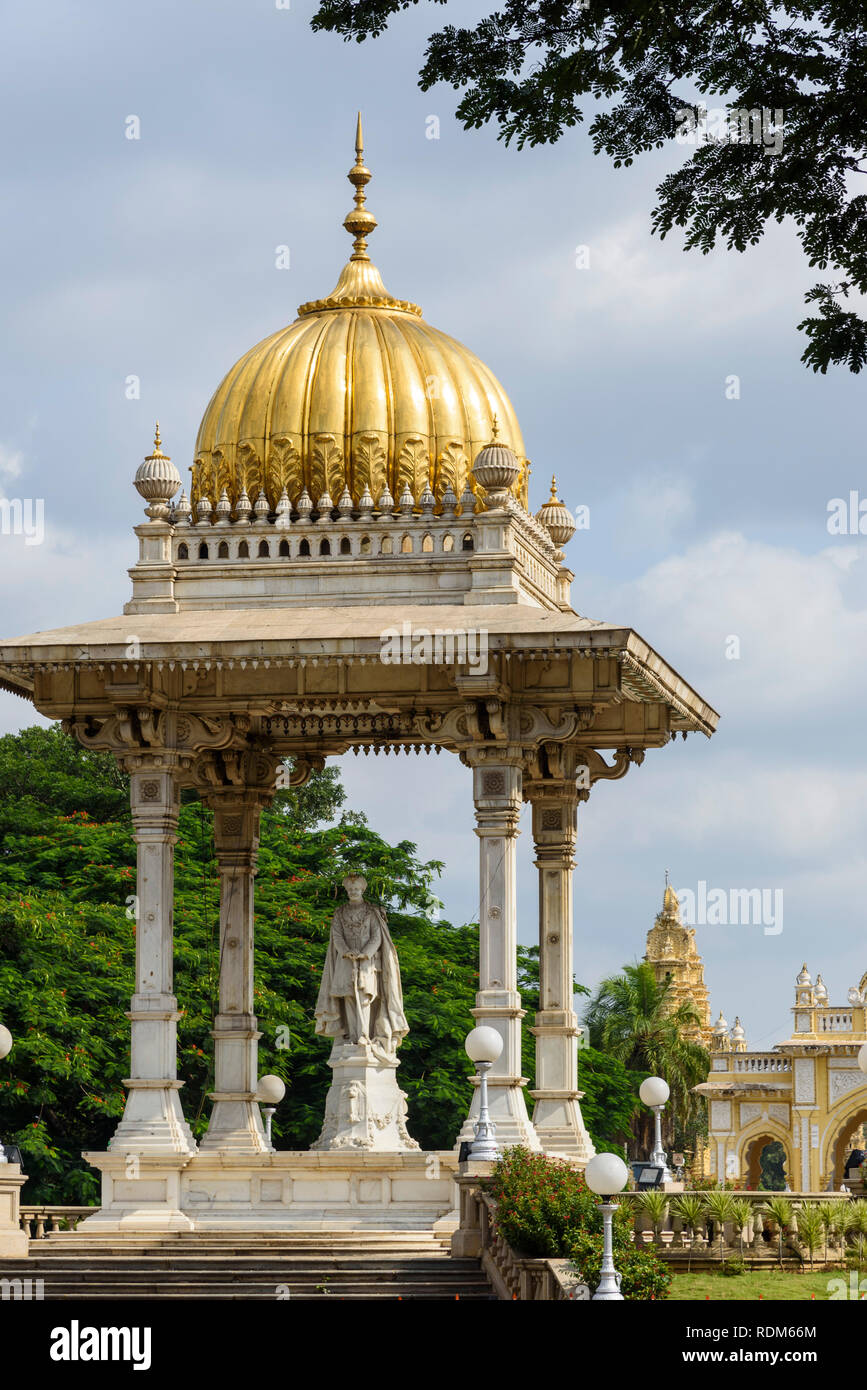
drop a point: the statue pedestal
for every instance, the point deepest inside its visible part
(365, 1108)
(13, 1241)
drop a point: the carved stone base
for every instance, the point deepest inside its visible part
(558, 1122)
(343, 1190)
(139, 1193)
(153, 1121)
(508, 1110)
(13, 1241)
(365, 1108)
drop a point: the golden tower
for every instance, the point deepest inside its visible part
(672, 952)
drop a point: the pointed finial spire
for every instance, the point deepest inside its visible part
(158, 452)
(554, 498)
(495, 428)
(359, 222)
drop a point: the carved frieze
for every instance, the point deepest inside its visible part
(805, 1081)
(721, 1115)
(750, 1111)
(840, 1083)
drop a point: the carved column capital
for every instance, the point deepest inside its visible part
(554, 806)
(223, 775)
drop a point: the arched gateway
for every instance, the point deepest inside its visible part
(357, 569)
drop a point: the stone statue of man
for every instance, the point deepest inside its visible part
(360, 999)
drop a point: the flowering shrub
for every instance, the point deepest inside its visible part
(643, 1275)
(546, 1210)
(539, 1200)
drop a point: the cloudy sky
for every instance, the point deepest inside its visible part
(156, 258)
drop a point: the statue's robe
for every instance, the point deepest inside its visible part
(376, 978)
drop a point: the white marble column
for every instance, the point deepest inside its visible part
(236, 1124)
(153, 1122)
(497, 798)
(557, 1115)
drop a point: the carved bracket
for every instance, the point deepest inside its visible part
(131, 734)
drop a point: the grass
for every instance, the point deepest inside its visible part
(774, 1285)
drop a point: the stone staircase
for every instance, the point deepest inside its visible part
(373, 1265)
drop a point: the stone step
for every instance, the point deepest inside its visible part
(270, 1257)
(233, 1242)
(441, 1269)
(238, 1292)
(439, 1279)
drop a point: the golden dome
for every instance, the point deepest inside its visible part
(358, 392)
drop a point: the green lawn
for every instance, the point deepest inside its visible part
(773, 1285)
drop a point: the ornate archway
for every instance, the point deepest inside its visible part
(752, 1145)
(840, 1133)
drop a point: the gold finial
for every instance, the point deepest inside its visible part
(554, 498)
(359, 222)
(495, 429)
(158, 452)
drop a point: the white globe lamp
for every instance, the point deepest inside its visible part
(606, 1174)
(483, 1046)
(654, 1092)
(269, 1095)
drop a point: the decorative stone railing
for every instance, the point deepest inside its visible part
(670, 1237)
(40, 1221)
(834, 1021)
(512, 1276)
(760, 1062)
(328, 539)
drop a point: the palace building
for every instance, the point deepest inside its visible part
(806, 1093)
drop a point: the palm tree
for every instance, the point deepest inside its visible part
(810, 1227)
(842, 1222)
(718, 1206)
(690, 1208)
(654, 1204)
(828, 1214)
(741, 1211)
(635, 1018)
(779, 1209)
(857, 1214)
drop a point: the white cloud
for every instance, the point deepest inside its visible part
(10, 466)
(801, 621)
(655, 507)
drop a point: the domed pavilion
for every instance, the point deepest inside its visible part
(356, 567)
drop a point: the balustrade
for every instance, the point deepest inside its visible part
(761, 1062)
(40, 1221)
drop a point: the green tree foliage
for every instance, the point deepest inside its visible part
(633, 1019)
(533, 66)
(610, 1101)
